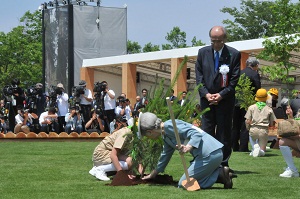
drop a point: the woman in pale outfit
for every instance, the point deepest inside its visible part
(285, 145)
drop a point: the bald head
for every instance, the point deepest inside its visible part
(218, 37)
(219, 31)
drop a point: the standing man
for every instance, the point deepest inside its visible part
(240, 135)
(218, 70)
(62, 105)
(86, 100)
(109, 102)
(144, 100)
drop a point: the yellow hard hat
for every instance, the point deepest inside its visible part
(261, 95)
(273, 91)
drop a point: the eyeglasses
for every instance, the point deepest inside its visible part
(216, 41)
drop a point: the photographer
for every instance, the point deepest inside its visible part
(48, 121)
(95, 124)
(14, 97)
(62, 105)
(73, 121)
(40, 98)
(124, 109)
(24, 121)
(86, 99)
(108, 97)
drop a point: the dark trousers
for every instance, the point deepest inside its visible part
(61, 123)
(240, 135)
(218, 122)
(53, 127)
(86, 113)
(109, 116)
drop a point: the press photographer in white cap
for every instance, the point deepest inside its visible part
(206, 150)
(62, 105)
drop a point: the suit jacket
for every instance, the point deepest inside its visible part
(211, 80)
(254, 78)
(184, 103)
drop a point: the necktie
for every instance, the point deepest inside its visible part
(216, 61)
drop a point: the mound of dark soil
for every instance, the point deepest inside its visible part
(121, 179)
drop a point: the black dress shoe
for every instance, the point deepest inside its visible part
(232, 175)
(226, 178)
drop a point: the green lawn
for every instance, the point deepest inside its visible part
(60, 170)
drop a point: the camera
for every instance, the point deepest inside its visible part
(77, 91)
(10, 90)
(99, 87)
(31, 91)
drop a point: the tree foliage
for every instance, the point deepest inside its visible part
(133, 47)
(244, 92)
(21, 52)
(177, 38)
(149, 47)
(251, 21)
(278, 50)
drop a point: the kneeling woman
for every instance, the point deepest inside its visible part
(206, 150)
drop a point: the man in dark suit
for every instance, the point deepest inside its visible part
(183, 100)
(240, 135)
(218, 70)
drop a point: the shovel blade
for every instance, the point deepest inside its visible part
(191, 185)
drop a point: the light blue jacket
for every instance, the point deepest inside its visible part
(203, 143)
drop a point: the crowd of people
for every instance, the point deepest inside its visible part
(226, 127)
(218, 70)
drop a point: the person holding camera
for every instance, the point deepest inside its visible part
(124, 110)
(48, 121)
(86, 99)
(95, 124)
(62, 105)
(14, 97)
(73, 121)
(40, 99)
(109, 100)
(24, 121)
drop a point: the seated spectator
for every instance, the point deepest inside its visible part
(3, 125)
(24, 121)
(73, 121)
(48, 121)
(95, 124)
(118, 123)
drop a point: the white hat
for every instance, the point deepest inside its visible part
(147, 121)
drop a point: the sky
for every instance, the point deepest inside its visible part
(147, 21)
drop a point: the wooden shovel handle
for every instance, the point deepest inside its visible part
(177, 138)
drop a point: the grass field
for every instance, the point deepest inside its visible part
(60, 170)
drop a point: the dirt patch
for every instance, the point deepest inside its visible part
(121, 179)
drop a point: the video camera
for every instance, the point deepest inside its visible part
(9, 90)
(99, 87)
(77, 91)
